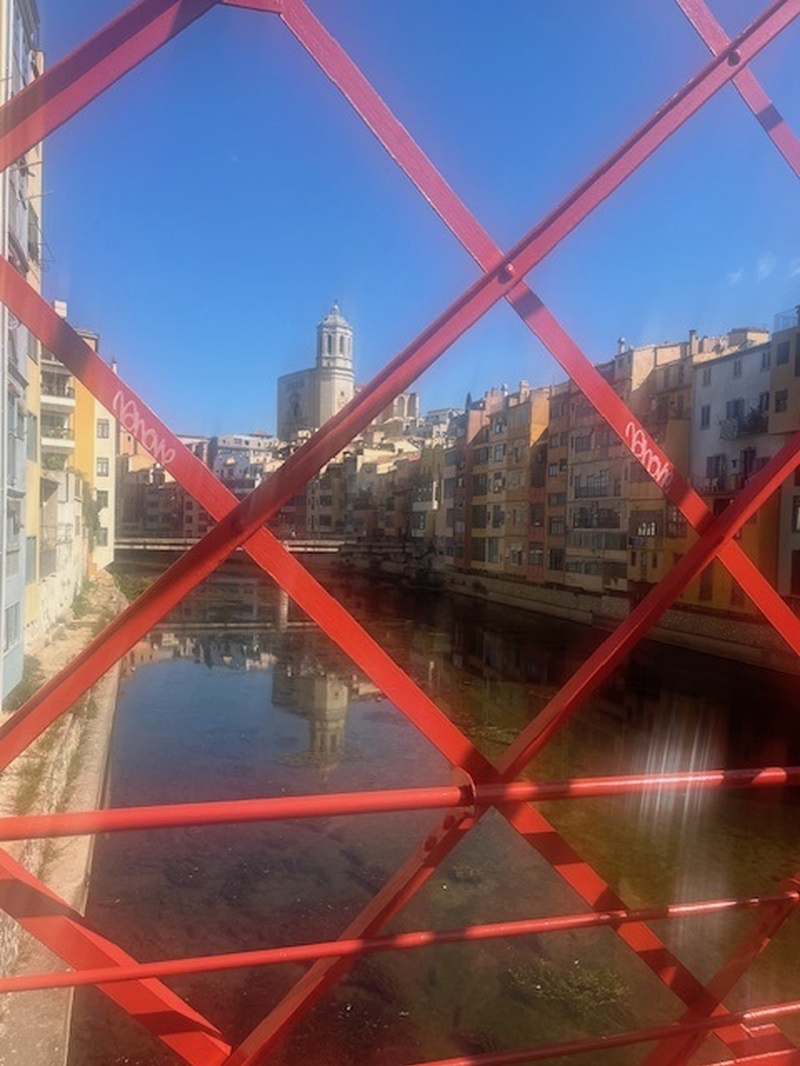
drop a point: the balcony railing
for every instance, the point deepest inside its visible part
(744, 425)
(57, 387)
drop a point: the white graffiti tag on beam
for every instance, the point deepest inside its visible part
(131, 420)
(659, 470)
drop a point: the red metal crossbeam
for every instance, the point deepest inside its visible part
(396, 942)
(355, 87)
(238, 525)
(530, 823)
(757, 938)
(333, 804)
(52, 921)
(534, 833)
(508, 269)
(59, 693)
(772, 121)
(522, 1057)
(68, 86)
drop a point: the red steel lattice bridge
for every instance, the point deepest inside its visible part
(750, 1035)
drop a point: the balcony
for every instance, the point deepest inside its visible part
(57, 437)
(57, 394)
(744, 425)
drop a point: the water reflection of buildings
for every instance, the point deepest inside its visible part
(229, 650)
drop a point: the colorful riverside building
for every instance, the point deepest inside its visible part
(75, 488)
(20, 197)
(536, 488)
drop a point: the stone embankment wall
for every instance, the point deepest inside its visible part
(63, 770)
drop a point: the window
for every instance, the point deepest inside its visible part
(557, 525)
(556, 558)
(734, 409)
(499, 452)
(796, 515)
(782, 353)
(479, 484)
(101, 498)
(478, 550)
(582, 443)
(676, 523)
(102, 537)
(493, 550)
(535, 555)
(763, 402)
(706, 375)
(103, 429)
(102, 467)
(765, 360)
(479, 516)
(552, 470)
(737, 368)
(12, 626)
(705, 416)
(537, 514)
(781, 400)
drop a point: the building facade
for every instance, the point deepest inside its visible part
(20, 197)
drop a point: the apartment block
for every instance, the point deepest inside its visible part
(20, 232)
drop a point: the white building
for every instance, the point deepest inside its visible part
(20, 186)
(730, 418)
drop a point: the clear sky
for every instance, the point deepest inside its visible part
(205, 213)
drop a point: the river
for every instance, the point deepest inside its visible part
(266, 705)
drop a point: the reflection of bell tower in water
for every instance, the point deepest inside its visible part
(302, 685)
(327, 720)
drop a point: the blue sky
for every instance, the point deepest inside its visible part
(205, 213)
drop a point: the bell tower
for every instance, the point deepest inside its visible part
(335, 342)
(335, 383)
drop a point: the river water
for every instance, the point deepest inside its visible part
(265, 705)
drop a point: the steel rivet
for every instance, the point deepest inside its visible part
(507, 272)
(734, 58)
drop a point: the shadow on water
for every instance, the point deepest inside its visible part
(268, 706)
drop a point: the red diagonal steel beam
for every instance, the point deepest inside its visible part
(757, 938)
(238, 525)
(746, 84)
(422, 938)
(69, 85)
(53, 922)
(59, 693)
(752, 1017)
(149, 433)
(358, 91)
(529, 822)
